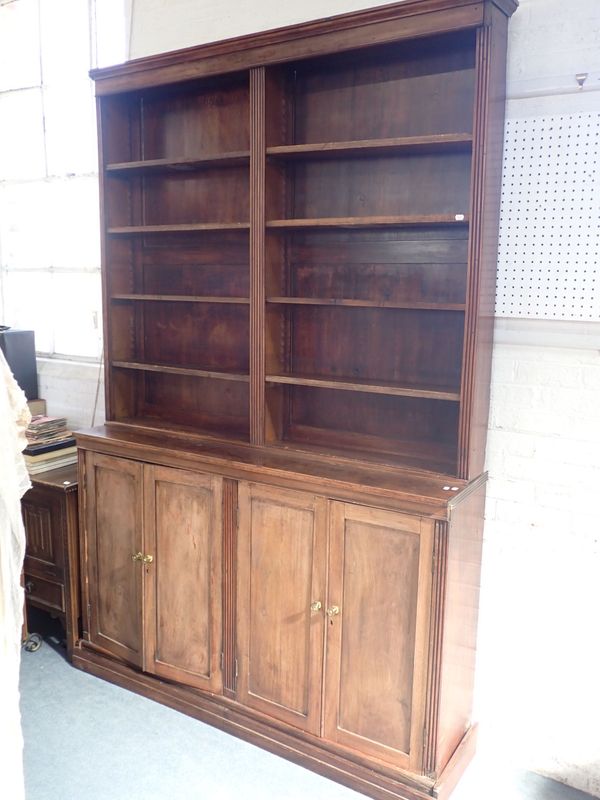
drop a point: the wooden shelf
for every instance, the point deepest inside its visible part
(179, 164)
(336, 301)
(178, 431)
(180, 298)
(131, 230)
(370, 387)
(425, 456)
(165, 369)
(370, 222)
(437, 143)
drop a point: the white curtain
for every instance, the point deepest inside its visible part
(14, 482)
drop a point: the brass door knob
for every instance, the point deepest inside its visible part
(316, 606)
(137, 557)
(333, 611)
(148, 559)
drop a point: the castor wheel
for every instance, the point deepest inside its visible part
(33, 642)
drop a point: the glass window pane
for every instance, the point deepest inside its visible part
(71, 137)
(22, 135)
(73, 238)
(111, 43)
(25, 225)
(78, 314)
(19, 45)
(49, 209)
(65, 37)
(29, 305)
(63, 308)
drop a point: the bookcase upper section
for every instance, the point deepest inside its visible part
(299, 231)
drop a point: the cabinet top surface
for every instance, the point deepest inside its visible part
(404, 19)
(428, 494)
(64, 478)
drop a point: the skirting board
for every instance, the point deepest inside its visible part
(223, 714)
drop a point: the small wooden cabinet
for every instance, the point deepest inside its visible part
(51, 568)
(282, 518)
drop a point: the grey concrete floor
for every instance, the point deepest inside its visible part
(86, 739)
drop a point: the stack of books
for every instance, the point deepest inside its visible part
(49, 444)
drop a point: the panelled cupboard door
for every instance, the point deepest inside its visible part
(281, 595)
(182, 582)
(377, 630)
(43, 516)
(113, 516)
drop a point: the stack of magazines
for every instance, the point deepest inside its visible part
(49, 444)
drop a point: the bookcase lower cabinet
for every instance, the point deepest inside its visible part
(307, 621)
(154, 568)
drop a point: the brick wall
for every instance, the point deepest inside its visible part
(72, 389)
(539, 648)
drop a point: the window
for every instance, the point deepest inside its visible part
(49, 231)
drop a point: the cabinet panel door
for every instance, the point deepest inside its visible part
(44, 520)
(281, 572)
(379, 582)
(113, 516)
(183, 582)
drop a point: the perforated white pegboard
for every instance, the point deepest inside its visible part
(549, 248)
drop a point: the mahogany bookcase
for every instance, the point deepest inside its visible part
(281, 519)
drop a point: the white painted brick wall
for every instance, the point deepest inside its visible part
(539, 651)
(161, 25)
(72, 389)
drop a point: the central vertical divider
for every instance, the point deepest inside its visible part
(257, 255)
(230, 523)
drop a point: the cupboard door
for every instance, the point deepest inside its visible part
(281, 596)
(377, 629)
(44, 519)
(113, 517)
(183, 580)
